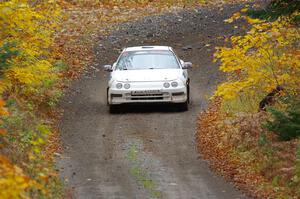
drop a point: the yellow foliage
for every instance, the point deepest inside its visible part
(29, 25)
(267, 56)
(31, 77)
(13, 182)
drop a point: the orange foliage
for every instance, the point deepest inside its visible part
(211, 136)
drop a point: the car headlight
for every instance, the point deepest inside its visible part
(126, 86)
(119, 85)
(166, 85)
(174, 84)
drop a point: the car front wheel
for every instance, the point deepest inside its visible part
(107, 96)
(188, 94)
(114, 108)
(184, 106)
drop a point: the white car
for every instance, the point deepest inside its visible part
(148, 74)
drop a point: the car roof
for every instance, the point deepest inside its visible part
(138, 48)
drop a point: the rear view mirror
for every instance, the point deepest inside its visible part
(107, 68)
(187, 65)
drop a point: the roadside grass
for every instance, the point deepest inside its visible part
(244, 103)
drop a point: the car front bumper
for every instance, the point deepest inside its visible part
(162, 95)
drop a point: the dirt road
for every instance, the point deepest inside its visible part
(146, 151)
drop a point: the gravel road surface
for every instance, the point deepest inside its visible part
(145, 151)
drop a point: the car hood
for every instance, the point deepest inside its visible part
(146, 75)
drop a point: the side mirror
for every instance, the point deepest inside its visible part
(107, 68)
(181, 62)
(187, 65)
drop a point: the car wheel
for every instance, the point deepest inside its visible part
(188, 94)
(107, 96)
(114, 109)
(183, 106)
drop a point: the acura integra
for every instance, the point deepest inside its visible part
(148, 74)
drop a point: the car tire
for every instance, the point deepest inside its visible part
(188, 94)
(114, 109)
(107, 103)
(183, 106)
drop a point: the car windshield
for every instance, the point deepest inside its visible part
(148, 59)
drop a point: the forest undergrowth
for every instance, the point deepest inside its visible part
(251, 131)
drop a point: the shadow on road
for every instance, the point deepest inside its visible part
(148, 108)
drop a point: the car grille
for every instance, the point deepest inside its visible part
(147, 96)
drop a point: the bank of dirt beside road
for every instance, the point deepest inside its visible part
(145, 151)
